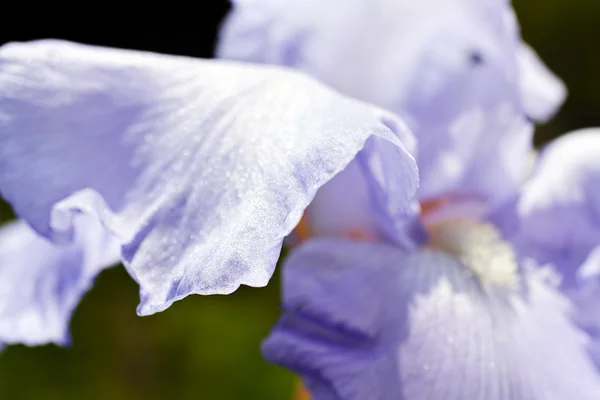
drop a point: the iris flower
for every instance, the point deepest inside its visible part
(499, 305)
(489, 291)
(190, 172)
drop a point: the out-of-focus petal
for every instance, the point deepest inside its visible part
(501, 162)
(41, 283)
(199, 168)
(450, 67)
(559, 207)
(373, 50)
(542, 91)
(586, 297)
(344, 205)
(364, 321)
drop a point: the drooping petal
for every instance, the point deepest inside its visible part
(542, 91)
(450, 67)
(365, 321)
(559, 207)
(199, 168)
(41, 283)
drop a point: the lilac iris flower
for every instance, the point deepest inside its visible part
(189, 172)
(497, 298)
(500, 305)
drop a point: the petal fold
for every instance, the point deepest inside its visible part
(199, 168)
(41, 283)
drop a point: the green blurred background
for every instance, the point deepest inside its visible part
(208, 347)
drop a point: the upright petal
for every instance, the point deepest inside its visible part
(364, 321)
(199, 168)
(501, 158)
(559, 207)
(450, 67)
(41, 283)
(542, 91)
(373, 50)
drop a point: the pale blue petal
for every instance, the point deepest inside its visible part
(364, 321)
(199, 168)
(559, 208)
(41, 283)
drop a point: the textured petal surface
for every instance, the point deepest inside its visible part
(364, 321)
(199, 168)
(451, 67)
(559, 208)
(41, 283)
(369, 198)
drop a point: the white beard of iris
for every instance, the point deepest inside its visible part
(478, 246)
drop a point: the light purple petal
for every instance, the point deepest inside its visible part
(344, 205)
(369, 197)
(368, 206)
(372, 50)
(559, 208)
(41, 283)
(586, 298)
(365, 321)
(501, 159)
(542, 91)
(199, 168)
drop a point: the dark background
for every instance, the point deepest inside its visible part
(208, 347)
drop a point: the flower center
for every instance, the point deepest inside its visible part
(478, 245)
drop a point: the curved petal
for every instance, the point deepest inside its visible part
(559, 207)
(542, 91)
(450, 67)
(41, 283)
(364, 321)
(367, 200)
(344, 205)
(199, 168)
